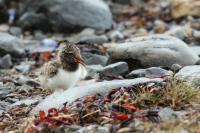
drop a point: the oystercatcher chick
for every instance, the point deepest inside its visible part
(66, 70)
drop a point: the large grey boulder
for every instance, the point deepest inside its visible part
(10, 45)
(152, 51)
(68, 14)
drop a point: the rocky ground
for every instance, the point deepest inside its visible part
(142, 59)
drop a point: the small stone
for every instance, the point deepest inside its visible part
(4, 28)
(10, 45)
(160, 26)
(3, 93)
(6, 62)
(24, 67)
(38, 35)
(175, 67)
(116, 69)
(137, 73)
(93, 70)
(191, 74)
(124, 130)
(29, 101)
(94, 59)
(167, 114)
(149, 72)
(11, 100)
(15, 31)
(94, 39)
(116, 35)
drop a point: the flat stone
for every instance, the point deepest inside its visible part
(29, 101)
(116, 69)
(149, 72)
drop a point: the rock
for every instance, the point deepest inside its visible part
(190, 73)
(94, 39)
(116, 35)
(63, 15)
(149, 72)
(47, 42)
(4, 28)
(94, 129)
(116, 69)
(167, 114)
(21, 79)
(160, 26)
(10, 45)
(182, 8)
(137, 73)
(32, 20)
(4, 92)
(198, 62)
(175, 68)
(195, 49)
(45, 45)
(38, 35)
(152, 51)
(15, 31)
(24, 67)
(28, 101)
(6, 62)
(186, 33)
(94, 59)
(58, 98)
(93, 70)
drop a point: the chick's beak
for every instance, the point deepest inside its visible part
(79, 61)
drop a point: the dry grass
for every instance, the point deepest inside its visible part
(176, 95)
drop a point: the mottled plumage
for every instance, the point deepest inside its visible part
(50, 69)
(65, 71)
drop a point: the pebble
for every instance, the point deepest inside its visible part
(24, 67)
(175, 68)
(6, 62)
(15, 31)
(116, 69)
(94, 59)
(149, 72)
(28, 101)
(167, 114)
(191, 74)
